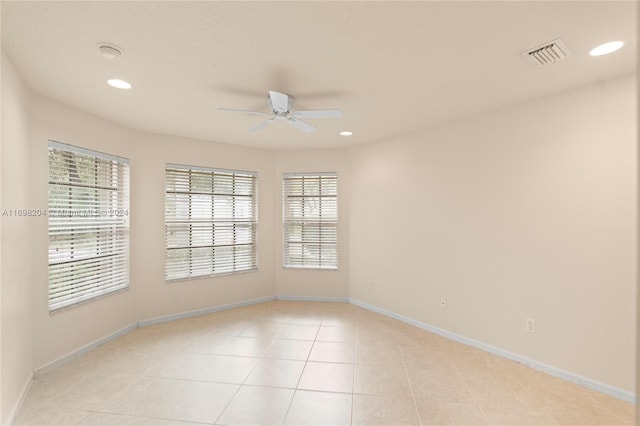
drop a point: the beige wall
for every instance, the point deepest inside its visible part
(15, 265)
(149, 296)
(62, 332)
(524, 212)
(154, 297)
(313, 283)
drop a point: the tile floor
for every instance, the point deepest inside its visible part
(304, 363)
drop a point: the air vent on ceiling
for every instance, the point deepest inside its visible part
(548, 53)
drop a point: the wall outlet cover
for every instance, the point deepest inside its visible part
(530, 325)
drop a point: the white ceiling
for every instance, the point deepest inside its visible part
(392, 67)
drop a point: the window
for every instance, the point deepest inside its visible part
(88, 225)
(310, 220)
(210, 222)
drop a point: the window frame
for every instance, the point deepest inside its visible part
(99, 209)
(174, 222)
(310, 222)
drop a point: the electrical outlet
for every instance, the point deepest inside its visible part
(175, 295)
(370, 284)
(530, 325)
(443, 303)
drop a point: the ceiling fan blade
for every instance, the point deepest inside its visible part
(300, 125)
(262, 125)
(242, 111)
(279, 101)
(319, 113)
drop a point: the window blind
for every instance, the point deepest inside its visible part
(310, 221)
(88, 225)
(210, 222)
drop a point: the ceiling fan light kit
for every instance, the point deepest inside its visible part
(281, 106)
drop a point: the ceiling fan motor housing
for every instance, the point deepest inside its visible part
(276, 112)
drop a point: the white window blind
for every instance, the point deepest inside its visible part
(210, 222)
(88, 225)
(310, 220)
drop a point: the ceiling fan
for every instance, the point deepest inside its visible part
(281, 106)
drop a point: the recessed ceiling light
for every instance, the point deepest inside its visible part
(606, 48)
(119, 84)
(346, 133)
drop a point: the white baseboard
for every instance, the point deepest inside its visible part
(553, 371)
(313, 298)
(84, 349)
(23, 394)
(90, 346)
(173, 317)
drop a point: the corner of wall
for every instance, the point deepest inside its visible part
(13, 412)
(16, 322)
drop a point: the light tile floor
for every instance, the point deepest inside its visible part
(304, 363)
